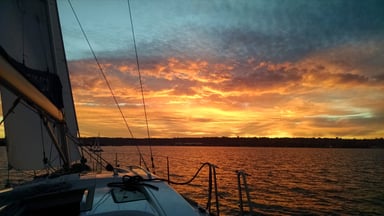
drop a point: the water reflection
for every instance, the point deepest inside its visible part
(283, 181)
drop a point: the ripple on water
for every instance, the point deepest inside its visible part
(283, 181)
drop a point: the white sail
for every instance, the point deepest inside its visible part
(62, 72)
(26, 138)
(31, 40)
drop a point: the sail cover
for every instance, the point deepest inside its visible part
(31, 42)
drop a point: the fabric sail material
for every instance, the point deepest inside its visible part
(31, 41)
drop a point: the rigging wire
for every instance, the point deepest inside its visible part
(105, 77)
(101, 69)
(45, 159)
(10, 110)
(141, 83)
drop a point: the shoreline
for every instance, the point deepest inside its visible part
(239, 142)
(234, 142)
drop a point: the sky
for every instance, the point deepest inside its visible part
(263, 68)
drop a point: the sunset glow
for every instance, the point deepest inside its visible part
(235, 68)
(291, 99)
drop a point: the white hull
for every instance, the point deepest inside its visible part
(135, 192)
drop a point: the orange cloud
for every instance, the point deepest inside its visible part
(326, 94)
(311, 97)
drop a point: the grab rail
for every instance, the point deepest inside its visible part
(212, 181)
(242, 175)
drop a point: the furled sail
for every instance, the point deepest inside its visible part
(31, 44)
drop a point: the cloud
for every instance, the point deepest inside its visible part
(316, 96)
(229, 68)
(259, 68)
(348, 65)
(271, 31)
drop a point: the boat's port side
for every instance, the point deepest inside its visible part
(50, 203)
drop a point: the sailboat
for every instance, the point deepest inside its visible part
(41, 130)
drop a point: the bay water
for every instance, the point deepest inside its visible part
(281, 181)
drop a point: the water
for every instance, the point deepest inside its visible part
(282, 181)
